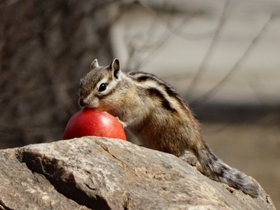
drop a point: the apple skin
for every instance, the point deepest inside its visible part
(88, 122)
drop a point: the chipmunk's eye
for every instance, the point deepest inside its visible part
(102, 87)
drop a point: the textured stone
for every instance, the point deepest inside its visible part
(20, 188)
(104, 173)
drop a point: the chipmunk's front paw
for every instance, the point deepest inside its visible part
(121, 122)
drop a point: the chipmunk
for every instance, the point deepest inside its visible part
(153, 111)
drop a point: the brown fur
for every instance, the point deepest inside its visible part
(152, 110)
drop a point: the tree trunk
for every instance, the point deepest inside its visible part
(45, 48)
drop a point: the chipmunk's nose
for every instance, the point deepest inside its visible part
(82, 103)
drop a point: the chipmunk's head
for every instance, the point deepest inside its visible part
(99, 85)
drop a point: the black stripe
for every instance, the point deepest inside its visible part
(147, 76)
(134, 73)
(143, 78)
(165, 103)
(172, 93)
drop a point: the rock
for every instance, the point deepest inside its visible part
(21, 188)
(100, 173)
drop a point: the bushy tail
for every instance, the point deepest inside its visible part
(221, 172)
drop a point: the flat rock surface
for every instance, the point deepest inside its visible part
(99, 173)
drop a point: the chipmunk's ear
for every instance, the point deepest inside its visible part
(115, 67)
(94, 64)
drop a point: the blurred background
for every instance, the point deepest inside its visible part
(223, 56)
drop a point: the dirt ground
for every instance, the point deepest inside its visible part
(252, 148)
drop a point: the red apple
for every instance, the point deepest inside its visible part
(88, 122)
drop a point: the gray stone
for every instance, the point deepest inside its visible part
(102, 173)
(21, 188)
